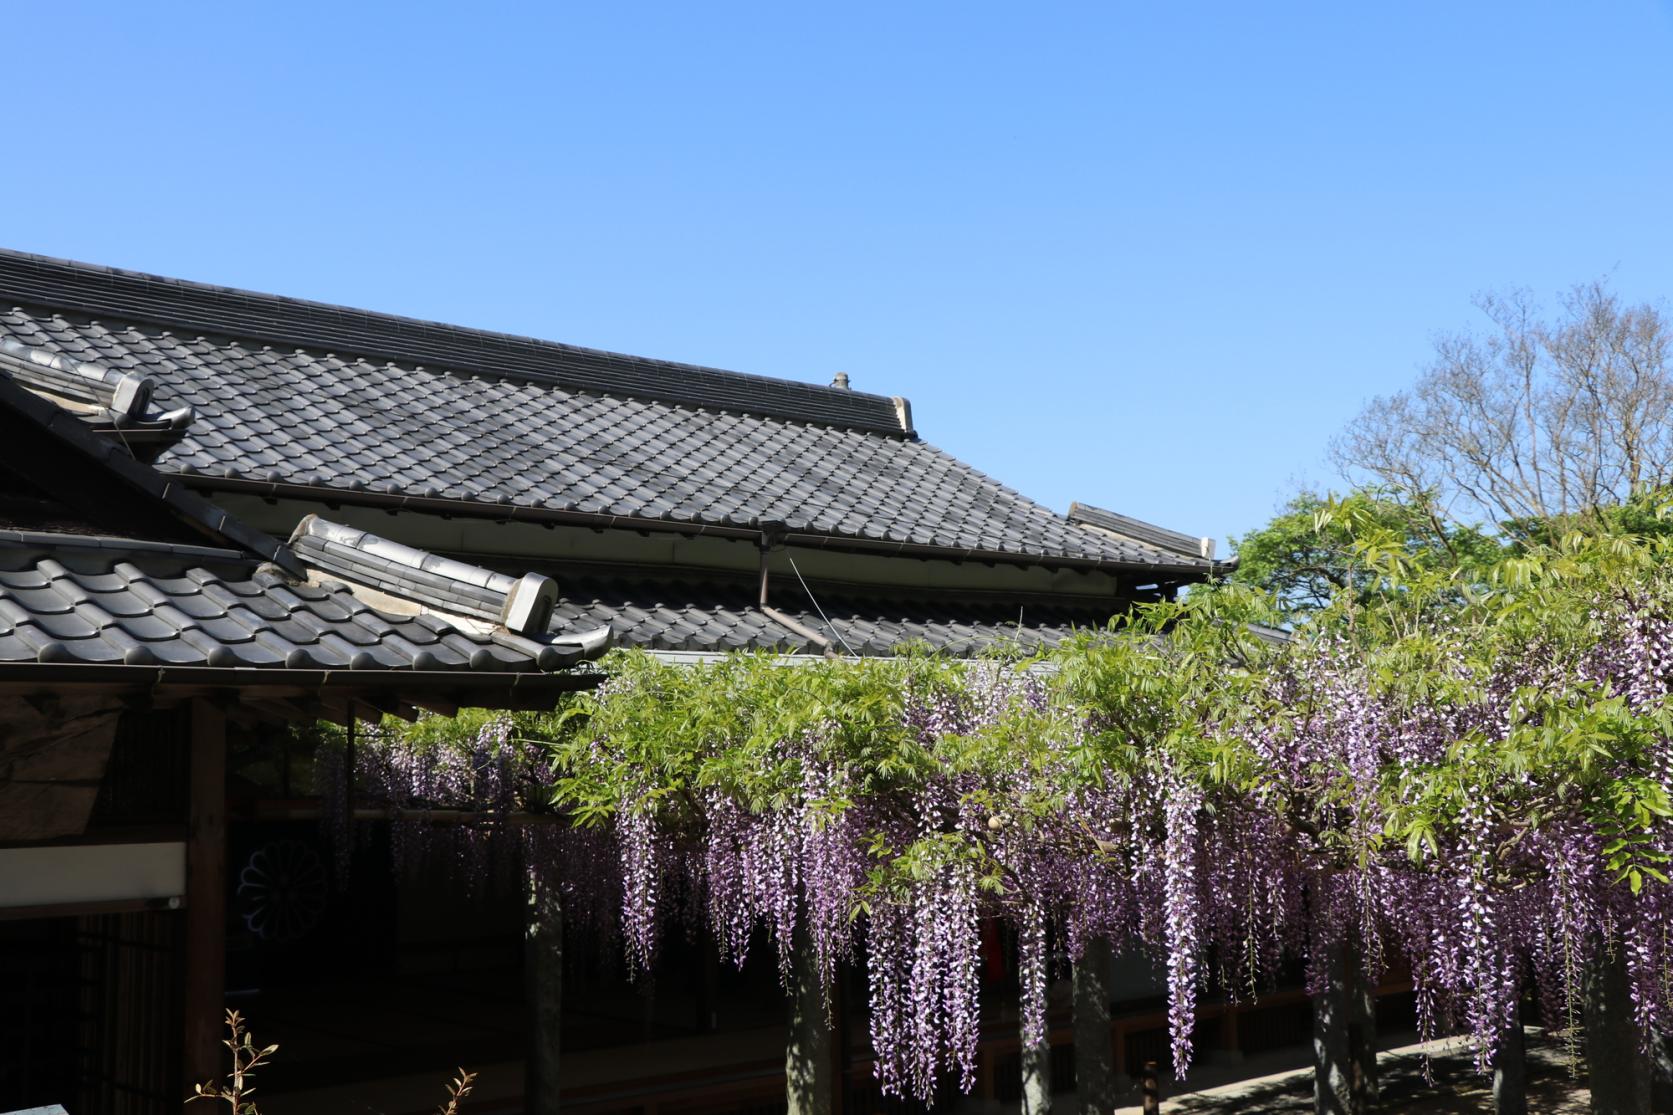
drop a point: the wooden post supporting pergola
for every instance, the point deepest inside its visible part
(1094, 1053)
(206, 881)
(543, 983)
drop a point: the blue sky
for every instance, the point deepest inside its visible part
(1145, 256)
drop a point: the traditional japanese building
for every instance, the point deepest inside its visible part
(683, 506)
(426, 475)
(152, 651)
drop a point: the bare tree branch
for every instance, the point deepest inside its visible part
(1533, 419)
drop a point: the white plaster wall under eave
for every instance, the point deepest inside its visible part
(78, 874)
(515, 547)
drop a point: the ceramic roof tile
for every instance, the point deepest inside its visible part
(374, 403)
(722, 616)
(238, 614)
(141, 601)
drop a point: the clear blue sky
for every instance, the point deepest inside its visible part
(1146, 256)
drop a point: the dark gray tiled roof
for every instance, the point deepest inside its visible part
(700, 616)
(117, 405)
(70, 599)
(224, 311)
(298, 394)
(49, 438)
(229, 597)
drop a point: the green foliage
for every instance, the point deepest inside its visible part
(1426, 616)
(1166, 681)
(429, 733)
(1316, 548)
(1646, 515)
(672, 732)
(1572, 750)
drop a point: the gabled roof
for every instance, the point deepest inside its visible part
(117, 404)
(54, 449)
(228, 312)
(71, 599)
(322, 402)
(230, 599)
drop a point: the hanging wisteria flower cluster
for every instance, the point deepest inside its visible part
(1470, 779)
(469, 796)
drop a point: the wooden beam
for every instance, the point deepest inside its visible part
(278, 709)
(79, 909)
(440, 708)
(340, 709)
(206, 888)
(390, 705)
(245, 717)
(284, 811)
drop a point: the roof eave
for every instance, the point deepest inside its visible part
(511, 512)
(251, 679)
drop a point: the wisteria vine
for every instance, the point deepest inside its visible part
(1472, 781)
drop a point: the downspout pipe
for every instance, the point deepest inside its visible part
(772, 535)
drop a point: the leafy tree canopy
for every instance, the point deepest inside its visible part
(1315, 549)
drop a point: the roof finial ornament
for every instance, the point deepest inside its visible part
(841, 381)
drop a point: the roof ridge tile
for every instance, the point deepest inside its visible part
(321, 327)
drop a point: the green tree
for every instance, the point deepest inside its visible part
(1319, 546)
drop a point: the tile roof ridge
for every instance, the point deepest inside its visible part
(514, 611)
(1138, 530)
(64, 284)
(110, 545)
(207, 518)
(115, 403)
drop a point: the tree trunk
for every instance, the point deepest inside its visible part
(1363, 1035)
(1094, 1070)
(1661, 1074)
(1344, 1040)
(1619, 1068)
(811, 1050)
(1510, 1070)
(543, 987)
(1036, 1077)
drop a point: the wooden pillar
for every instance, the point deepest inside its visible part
(1094, 1071)
(206, 895)
(706, 983)
(1150, 1084)
(1230, 1045)
(543, 987)
(1363, 1035)
(837, 1011)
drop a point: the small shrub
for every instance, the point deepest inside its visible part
(246, 1058)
